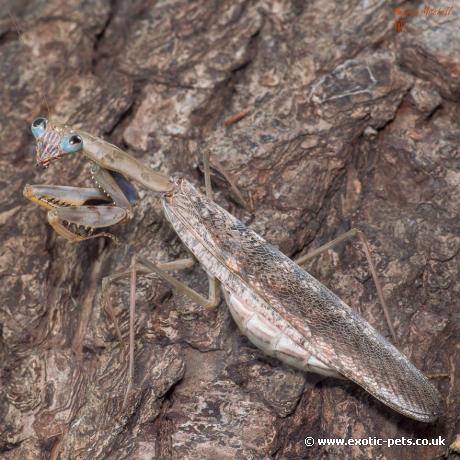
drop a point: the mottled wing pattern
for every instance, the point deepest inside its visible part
(337, 334)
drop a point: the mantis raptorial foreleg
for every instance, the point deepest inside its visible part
(50, 196)
(90, 217)
(355, 232)
(75, 212)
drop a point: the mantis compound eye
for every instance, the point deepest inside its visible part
(38, 126)
(72, 143)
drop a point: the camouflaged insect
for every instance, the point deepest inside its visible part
(281, 308)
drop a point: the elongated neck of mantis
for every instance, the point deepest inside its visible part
(111, 157)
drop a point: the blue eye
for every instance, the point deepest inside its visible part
(72, 143)
(38, 126)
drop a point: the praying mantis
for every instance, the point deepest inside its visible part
(281, 308)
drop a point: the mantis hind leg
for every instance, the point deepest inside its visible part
(144, 266)
(354, 232)
(209, 302)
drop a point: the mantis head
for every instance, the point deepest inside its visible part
(54, 141)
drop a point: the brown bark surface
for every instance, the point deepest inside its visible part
(339, 121)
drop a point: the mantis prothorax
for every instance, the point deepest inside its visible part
(281, 308)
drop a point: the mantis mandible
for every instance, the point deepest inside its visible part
(281, 308)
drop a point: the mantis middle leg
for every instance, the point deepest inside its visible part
(354, 232)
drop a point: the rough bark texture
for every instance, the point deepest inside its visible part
(350, 124)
